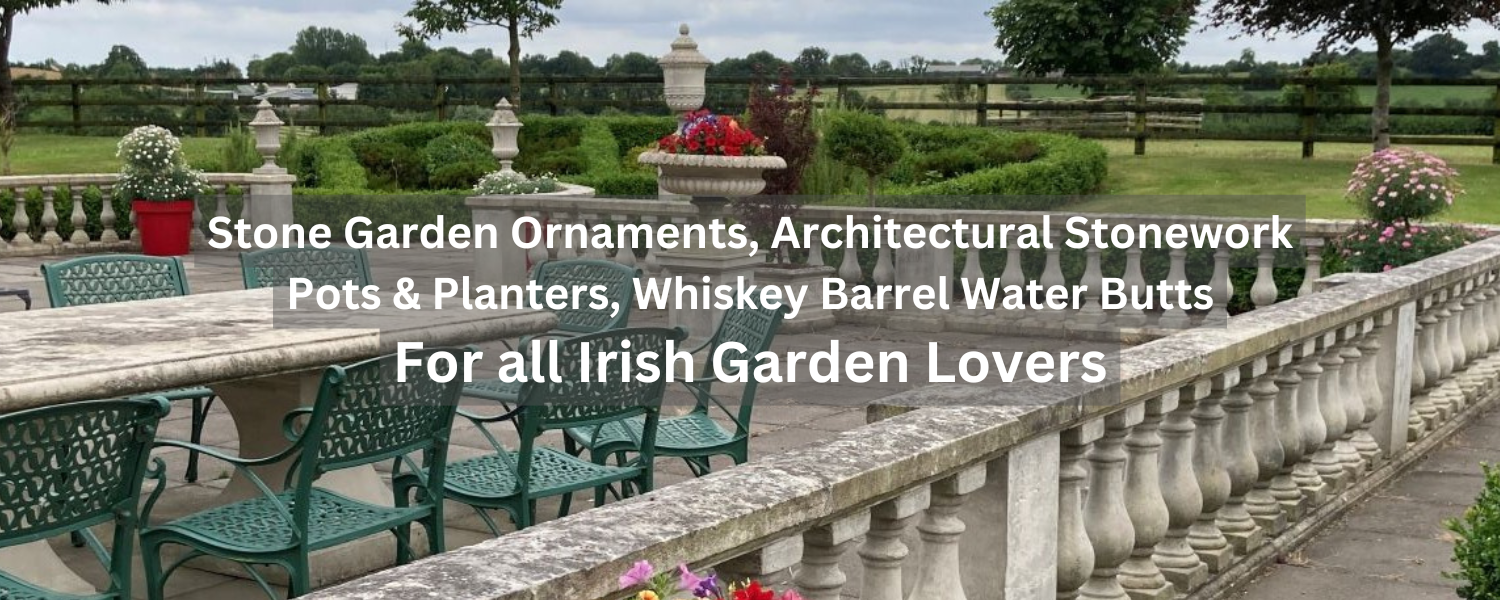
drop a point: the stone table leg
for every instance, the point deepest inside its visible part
(258, 407)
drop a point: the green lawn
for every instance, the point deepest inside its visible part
(1215, 168)
(40, 154)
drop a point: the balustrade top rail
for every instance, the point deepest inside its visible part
(718, 517)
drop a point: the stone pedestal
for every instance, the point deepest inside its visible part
(270, 199)
(692, 266)
(506, 264)
(812, 316)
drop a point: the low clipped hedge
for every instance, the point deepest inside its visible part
(1064, 167)
(334, 208)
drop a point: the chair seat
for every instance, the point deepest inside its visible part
(15, 589)
(494, 389)
(552, 472)
(685, 434)
(256, 526)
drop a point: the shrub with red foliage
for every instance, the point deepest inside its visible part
(785, 119)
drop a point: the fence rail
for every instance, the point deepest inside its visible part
(1146, 112)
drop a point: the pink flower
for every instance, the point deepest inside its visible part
(1405, 244)
(638, 574)
(1388, 267)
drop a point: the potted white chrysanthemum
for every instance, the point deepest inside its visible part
(161, 187)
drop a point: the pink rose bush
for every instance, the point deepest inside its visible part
(1395, 188)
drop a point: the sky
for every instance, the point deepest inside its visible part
(184, 33)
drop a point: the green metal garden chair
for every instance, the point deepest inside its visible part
(695, 437)
(512, 481)
(110, 278)
(66, 468)
(362, 415)
(275, 267)
(618, 280)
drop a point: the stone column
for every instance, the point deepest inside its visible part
(1075, 554)
(938, 575)
(1106, 518)
(1331, 405)
(1310, 417)
(1025, 480)
(1354, 402)
(1149, 517)
(1289, 432)
(1213, 479)
(1266, 439)
(1178, 561)
(884, 551)
(1240, 463)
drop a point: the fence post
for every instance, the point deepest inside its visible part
(440, 100)
(842, 95)
(552, 97)
(981, 108)
(1309, 117)
(199, 113)
(1140, 118)
(322, 108)
(1495, 153)
(77, 93)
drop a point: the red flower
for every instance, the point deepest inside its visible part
(754, 592)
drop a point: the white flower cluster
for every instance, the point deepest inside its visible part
(510, 183)
(153, 167)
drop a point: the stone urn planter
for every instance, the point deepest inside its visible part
(800, 279)
(711, 180)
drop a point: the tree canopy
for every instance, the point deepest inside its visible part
(1091, 37)
(519, 18)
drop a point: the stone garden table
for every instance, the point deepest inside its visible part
(261, 362)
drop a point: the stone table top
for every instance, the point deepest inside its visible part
(109, 350)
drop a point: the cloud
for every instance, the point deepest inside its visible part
(191, 32)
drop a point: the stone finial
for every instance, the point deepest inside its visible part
(504, 130)
(267, 128)
(684, 51)
(683, 72)
(504, 113)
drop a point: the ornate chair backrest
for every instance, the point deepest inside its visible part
(754, 329)
(70, 466)
(275, 267)
(113, 278)
(618, 280)
(365, 415)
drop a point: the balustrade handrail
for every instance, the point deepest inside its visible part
(753, 506)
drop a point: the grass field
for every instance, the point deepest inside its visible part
(1211, 170)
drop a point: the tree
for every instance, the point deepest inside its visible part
(123, 62)
(326, 46)
(9, 10)
(1091, 37)
(1490, 58)
(812, 62)
(849, 65)
(1340, 22)
(865, 142)
(633, 63)
(1442, 55)
(519, 18)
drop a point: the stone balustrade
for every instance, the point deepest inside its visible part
(79, 201)
(1215, 450)
(924, 266)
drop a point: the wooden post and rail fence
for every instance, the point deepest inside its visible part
(1138, 109)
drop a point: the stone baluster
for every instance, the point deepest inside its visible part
(771, 559)
(1485, 313)
(1131, 314)
(1456, 344)
(972, 273)
(815, 251)
(196, 236)
(849, 269)
(1445, 396)
(538, 253)
(1352, 397)
(883, 551)
(1314, 267)
(1052, 276)
(49, 217)
(1213, 478)
(1106, 517)
(1369, 390)
(1263, 292)
(1331, 402)
(594, 251)
(1310, 417)
(1493, 322)
(1175, 317)
(76, 216)
(1422, 409)
(1422, 399)
(221, 202)
(1472, 380)
(938, 573)
(1221, 288)
(885, 266)
(1240, 463)
(625, 254)
(651, 263)
(1075, 554)
(1093, 280)
(1149, 516)
(1013, 275)
(20, 222)
(1178, 562)
(107, 217)
(820, 577)
(1289, 431)
(1266, 440)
